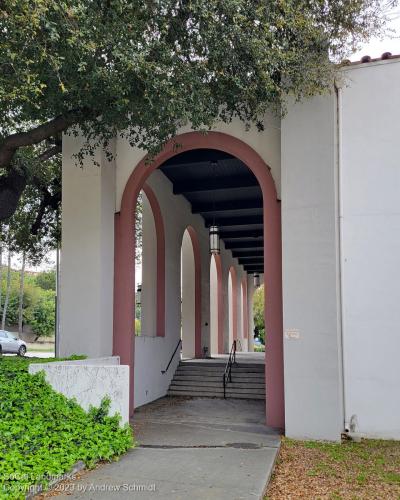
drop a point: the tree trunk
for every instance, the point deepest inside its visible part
(3, 319)
(21, 295)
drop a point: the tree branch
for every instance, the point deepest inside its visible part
(53, 127)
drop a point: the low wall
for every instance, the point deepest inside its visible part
(152, 355)
(89, 381)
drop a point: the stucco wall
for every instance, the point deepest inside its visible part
(87, 263)
(370, 166)
(313, 400)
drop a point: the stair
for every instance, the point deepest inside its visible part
(204, 379)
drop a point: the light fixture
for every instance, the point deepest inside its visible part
(256, 280)
(214, 240)
(139, 295)
(214, 229)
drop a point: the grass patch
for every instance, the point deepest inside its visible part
(348, 470)
(43, 433)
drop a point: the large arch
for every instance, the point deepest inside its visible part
(232, 305)
(124, 274)
(245, 309)
(197, 351)
(219, 317)
(160, 241)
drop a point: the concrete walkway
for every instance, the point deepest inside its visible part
(197, 448)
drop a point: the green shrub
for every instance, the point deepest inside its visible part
(43, 433)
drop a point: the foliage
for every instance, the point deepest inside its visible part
(258, 313)
(138, 326)
(46, 280)
(42, 319)
(144, 69)
(44, 433)
(38, 304)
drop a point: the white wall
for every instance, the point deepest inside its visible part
(370, 142)
(313, 399)
(87, 263)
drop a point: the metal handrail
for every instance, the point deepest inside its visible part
(172, 357)
(227, 376)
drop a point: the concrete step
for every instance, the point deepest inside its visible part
(219, 390)
(218, 384)
(204, 379)
(215, 395)
(235, 378)
(218, 372)
(218, 365)
(217, 369)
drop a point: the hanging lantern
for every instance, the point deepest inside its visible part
(214, 240)
(256, 280)
(139, 295)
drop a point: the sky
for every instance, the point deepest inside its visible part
(390, 43)
(374, 48)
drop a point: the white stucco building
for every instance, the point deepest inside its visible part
(321, 222)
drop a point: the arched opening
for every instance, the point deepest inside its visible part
(259, 338)
(188, 297)
(216, 305)
(232, 306)
(149, 266)
(245, 313)
(270, 252)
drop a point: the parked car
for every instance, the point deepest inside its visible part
(10, 344)
(257, 342)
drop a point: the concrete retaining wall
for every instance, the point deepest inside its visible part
(89, 381)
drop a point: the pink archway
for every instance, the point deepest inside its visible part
(160, 235)
(234, 312)
(124, 275)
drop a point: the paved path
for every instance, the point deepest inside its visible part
(197, 449)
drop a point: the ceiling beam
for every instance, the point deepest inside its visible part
(248, 253)
(254, 269)
(199, 156)
(245, 220)
(226, 182)
(244, 244)
(247, 233)
(251, 260)
(222, 206)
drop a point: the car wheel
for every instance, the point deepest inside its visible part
(22, 351)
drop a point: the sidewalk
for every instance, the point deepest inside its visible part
(208, 449)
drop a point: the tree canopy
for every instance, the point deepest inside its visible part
(144, 68)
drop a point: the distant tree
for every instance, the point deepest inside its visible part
(258, 313)
(8, 290)
(46, 280)
(144, 69)
(21, 294)
(42, 320)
